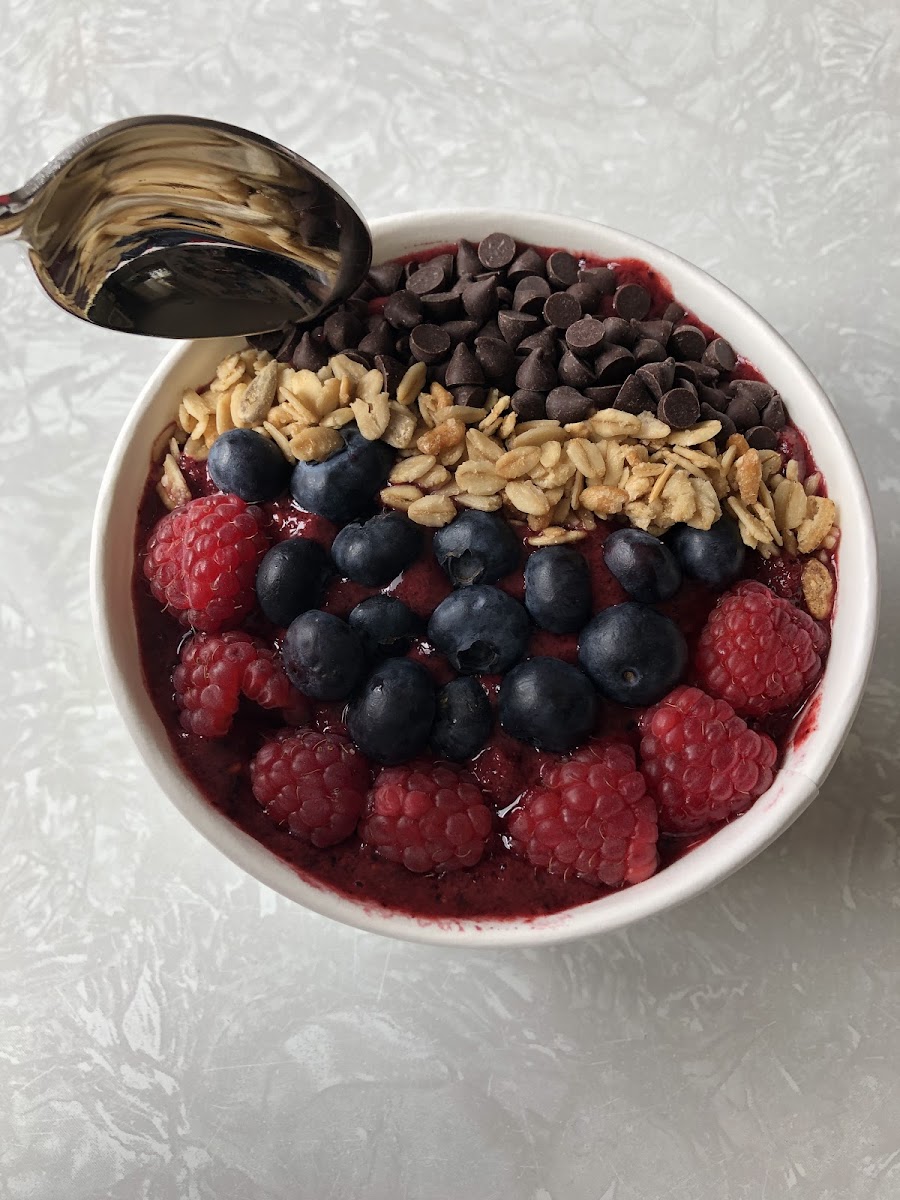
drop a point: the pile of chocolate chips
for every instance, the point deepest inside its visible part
(501, 315)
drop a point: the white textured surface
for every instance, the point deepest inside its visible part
(171, 1029)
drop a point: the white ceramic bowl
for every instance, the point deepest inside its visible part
(806, 764)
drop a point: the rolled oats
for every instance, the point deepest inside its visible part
(400, 497)
(250, 407)
(445, 436)
(479, 477)
(603, 500)
(479, 445)
(821, 514)
(527, 498)
(372, 416)
(411, 384)
(520, 461)
(172, 488)
(401, 428)
(818, 588)
(482, 503)
(433, 511)
(408, 470)
(316, 444)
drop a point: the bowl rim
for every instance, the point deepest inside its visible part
(727, 850)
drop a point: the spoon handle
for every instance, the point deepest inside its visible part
(12, 215)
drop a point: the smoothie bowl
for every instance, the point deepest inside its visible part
(531, 594)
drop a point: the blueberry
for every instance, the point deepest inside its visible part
(291, 579)
(477, 547)
(376, 551)
(248, 465)
(558, 589)
(548, 703)
(385, 626)
(633, 653)
(391, 717)
(322, 656)
(344, 486)
(714, 556)
(480, 629)
(464, 719)
(646, 569)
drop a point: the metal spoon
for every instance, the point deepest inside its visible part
(181, 227)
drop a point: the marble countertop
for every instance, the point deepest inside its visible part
(169, 1027)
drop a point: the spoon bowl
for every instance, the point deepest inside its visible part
(181, 227)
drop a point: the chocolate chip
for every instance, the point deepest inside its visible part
(401, 346)
(562, 271)
(429, 278)
(762, 438)
(631, 301)
(679, 408)
(587, 296)
(561, 310)
(460, 331)
(754, 389)
(470, 395)
(308, 355)
(343, 331)
(774, 415)
(585, 336)
(403, 310)
(467, 260)
(648, 351)
(504, 297)
(266, 341)
(480, 298)
(530, 406)
(517, 325)
(447, 263)
(365, 292)
(618, 332)
(659, 331)
(537, 373)
(687, 342)
(495, 357)
(658, 377)
(429, 343)
(409, 268)
(530, 294)
(603, 397)
(490, 329)
(463, 368)
(365, 360)
(544, 339)
(386, 278)
(743, 412)
(392, 371)
(289, 342)
(441, 306)
(708, 413)
(696, 372)
(574, 372)
(719, 354)
(634, 397)
(463, 280)
(674, 312)
(378, 341)
(566, 405)
(614, 365)
(602, 278)
(529, 262)
(496, 251)
(713, 397)
(359, 308)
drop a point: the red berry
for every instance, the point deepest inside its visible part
(506, 767)
(428, 816)
(201, 561)
(215, 670)
(702, 763)
(313, 783)
(591, 817)
(758, 652)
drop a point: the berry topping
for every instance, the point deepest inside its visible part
(322, 655)
(391, 717)
(759, 652)
(558, 589)
(215, 670)
(291, 579)
(344, 486)
(715, 556)
(378, 550)
(428, 816)
(385, 626)
(590, 817)
(249, 465)
(480, 629)
(702, 764)
(506, 767)
(477, 547)
(314, 783)
(201, 561)
(646, 569)
(548, 703)
(632, 653)
(464, 719)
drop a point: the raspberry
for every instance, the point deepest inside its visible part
(428, 816)
(201, 561)
(506, 767)
(215, 670)
(701, 761)
(314, 783)
(591, 817)
(758, 652)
